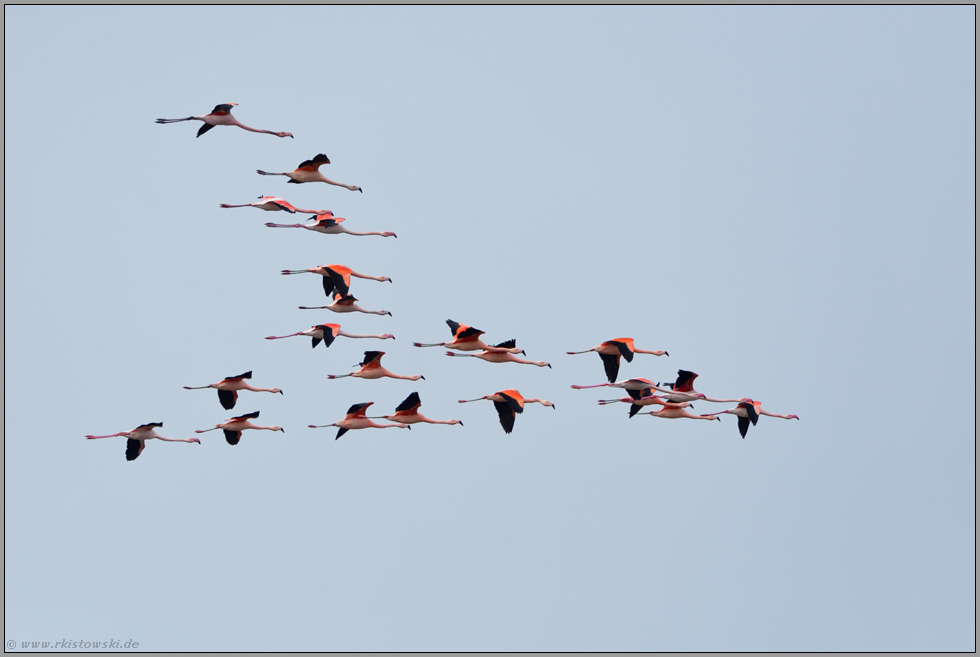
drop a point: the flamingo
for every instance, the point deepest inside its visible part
(356, 419)
(611, 350)
(136, 439)
(407, 412)
(502, 356)
(749, 410)
(508, 403)
(233, 428)
(328, 224)
(328, 333)
(229, 386)
(335, 277)
(639, 398)
(371, 369)
(309, 171)
(626, 384)
(466, 338)
(221, 115)
(674, 412)
(345, 304)
(273, 204)
(682, 390)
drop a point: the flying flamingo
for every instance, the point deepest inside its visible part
(502, 356)
(221, 115)
(229, 386)
(749, 410)
(639, 398)
(508, 403)
(466, 338)
(309, 171)
(335, 277)
(345, 304)
(233, 428)
(611, 350)
(407, 412)
(676, 411)
(136, 439)
(327, 333)
(356, 419)
(682, 390)
(328, 224)
(626, 384)
(371, 369)
(273, 204)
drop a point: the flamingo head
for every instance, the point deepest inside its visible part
(196, 440)
(285, 134)
(389, 234)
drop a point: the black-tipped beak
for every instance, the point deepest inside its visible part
(390, 281)
(421, 377)
(280, 392)
(665, 354)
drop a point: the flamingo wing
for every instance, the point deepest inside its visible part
(232, 436)
(337, 281)
(341, 432)
(743, 425)
(314, 164)
(611, 364)
(134, 448)
(411, 403)
(358, 410)
(248, 416)
(246, 375)
(625, 348)
(506, 414)
(372, 358)
(227, 399)
(751, 412)
(204, 128)
(685, 381)
(507, 344)
(223, 109)
(149, 426)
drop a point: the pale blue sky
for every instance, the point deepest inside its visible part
(782, 198)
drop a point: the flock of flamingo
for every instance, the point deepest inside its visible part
(673, 401)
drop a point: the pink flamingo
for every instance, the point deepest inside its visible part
(407, 412)
(309, 171)
(682, 390)
(627, 384)
(508, 403)
(345, 304)
(328, 333)
(335, 277)
(749, 410)
(501, 356)
(273, 204)
(330, 225)
(371, 369)
(233, 428)
(221, 115)
(676, 411)
(229, 386)
(136, 439)
(639, 398)
(610, 352)
(467, 338)
(356, 419)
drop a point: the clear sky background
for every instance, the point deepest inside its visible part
(782, 198)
